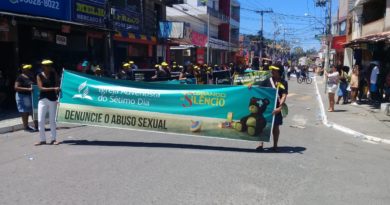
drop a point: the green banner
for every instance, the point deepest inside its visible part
(260, 78)
(233, 112)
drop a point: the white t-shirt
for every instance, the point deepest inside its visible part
(374, 75)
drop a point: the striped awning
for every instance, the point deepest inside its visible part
(135, 38)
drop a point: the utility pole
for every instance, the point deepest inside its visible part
(262, 12)
(328, 28)
(329, 34)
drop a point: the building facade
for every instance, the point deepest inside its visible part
(211, 31)
(104, 32)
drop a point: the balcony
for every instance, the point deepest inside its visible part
(373, 27)
(217, 14)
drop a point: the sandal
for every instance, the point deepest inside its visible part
(259, 148)
(54, 142)
(40, 143)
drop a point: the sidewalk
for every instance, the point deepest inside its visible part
(362, 118)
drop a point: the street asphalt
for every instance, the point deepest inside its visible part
(315, 165)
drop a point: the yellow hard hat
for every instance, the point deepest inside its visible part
(27, 66)
(126, 65)
(273, 68)
(164, 64)
(131, 62)
(157, 66)
(98, 68)
(47, 62)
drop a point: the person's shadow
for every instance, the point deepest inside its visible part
(283, 149)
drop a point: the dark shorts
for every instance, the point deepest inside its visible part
(278, 119)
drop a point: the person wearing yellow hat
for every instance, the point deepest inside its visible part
(23, 88)
(133, 66)
(48, 84)
(163, 72)
(98, 71)
(125, 73)
(281, 85)
(187, 72)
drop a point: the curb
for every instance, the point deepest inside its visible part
(341, 128)
(12, 128)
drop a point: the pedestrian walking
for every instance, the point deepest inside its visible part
(331, 85)
(354, 84)
(23, 88)
(48, 83)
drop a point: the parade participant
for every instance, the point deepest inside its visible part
(133, 66)
(98, 71)
(277, 82)
(163, 72)
(354, 84)
(187, 72)
(174, 66)
(216, 67)
(23, 88)
(125, 73)
(331, 86)
(48, 83)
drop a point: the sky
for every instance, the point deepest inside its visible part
(298, 21)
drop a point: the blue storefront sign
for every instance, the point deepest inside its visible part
(88, 12)
(56, 9)
(126, 20)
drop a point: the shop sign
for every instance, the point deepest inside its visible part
(42, 35)
(169, 29)
(61, 40)
(198, 39)
(57, 9)
(88, 12)
(126, 20)
(338, 42)
(200, 55)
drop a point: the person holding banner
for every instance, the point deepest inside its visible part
(23, 88)
(281, 85)
(48, 84)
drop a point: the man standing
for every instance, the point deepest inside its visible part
(373, 82)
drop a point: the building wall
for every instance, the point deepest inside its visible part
(387, 16)
(150, 21)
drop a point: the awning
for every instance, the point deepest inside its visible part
(135, 38)
(373, 38)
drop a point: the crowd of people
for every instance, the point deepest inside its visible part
(356, 86)
(48, 82)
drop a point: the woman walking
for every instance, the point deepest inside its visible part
(333, 79)
(354, 84)
(48, 85)
(23, 88)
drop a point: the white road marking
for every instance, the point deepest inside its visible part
(324, 118)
